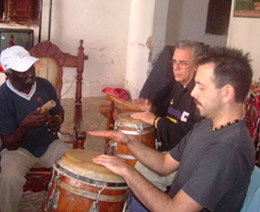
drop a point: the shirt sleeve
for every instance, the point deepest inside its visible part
(8, 123)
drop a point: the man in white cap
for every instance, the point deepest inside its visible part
(28, 137)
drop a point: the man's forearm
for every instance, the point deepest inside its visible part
(156, 200)
(148, 156)
(147, 193)
(15, 140)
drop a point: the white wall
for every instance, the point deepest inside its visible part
(187, 20)
(121, 38)
(146, 38)
(103, 25)
(244, 33)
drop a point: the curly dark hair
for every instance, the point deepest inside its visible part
(231, 67)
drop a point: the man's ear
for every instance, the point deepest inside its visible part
(196, 66)
(228, 93)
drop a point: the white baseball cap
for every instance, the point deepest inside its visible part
(17, 58)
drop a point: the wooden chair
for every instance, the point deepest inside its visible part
(52, 61)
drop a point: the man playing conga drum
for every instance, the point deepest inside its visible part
(215, 159)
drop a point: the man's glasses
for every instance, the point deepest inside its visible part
(181, 64)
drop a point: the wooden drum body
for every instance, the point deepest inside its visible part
(144, 132)
(80, 185)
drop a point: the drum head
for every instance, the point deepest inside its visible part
(125, 118)
(80, 163)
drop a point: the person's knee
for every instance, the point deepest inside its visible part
(12, 177)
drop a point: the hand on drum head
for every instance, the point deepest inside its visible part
(114, 164)
(146, 116)
(113, 135)
(144, 104)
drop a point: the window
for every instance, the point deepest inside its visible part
(20, 11)
(218, 17)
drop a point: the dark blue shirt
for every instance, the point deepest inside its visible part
(15, 106)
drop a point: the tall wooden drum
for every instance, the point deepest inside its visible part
(144, 132)
(80, 185)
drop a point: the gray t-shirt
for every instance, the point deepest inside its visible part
(215, 167)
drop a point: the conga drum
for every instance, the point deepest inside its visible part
(144, 132)
(78, 185)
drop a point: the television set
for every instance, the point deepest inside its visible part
(22, 37)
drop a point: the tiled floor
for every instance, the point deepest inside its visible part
(92, 118)
(32, 202)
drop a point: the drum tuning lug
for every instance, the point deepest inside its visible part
(139, 128)
(116, 125)
(54, 201)
(94, 207)
(110, 147)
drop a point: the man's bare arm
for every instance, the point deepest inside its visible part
(162, 163)
(153, 198)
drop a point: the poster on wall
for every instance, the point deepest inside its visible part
(247, 8)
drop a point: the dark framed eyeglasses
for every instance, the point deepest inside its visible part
(181, 64)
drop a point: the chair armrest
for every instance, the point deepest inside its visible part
(79, 128)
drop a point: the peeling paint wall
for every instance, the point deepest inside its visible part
(121, 38)
(146, 38)
(103, 25)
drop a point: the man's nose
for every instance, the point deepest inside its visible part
(193, 92)
(176, 66)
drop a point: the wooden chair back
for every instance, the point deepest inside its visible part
(50, 66)
(51, 56)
